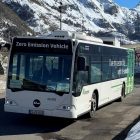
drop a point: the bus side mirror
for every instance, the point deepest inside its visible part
(81, 64)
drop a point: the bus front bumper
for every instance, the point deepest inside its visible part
(53, 113)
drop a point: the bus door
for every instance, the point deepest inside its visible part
(130, 74)
(81, 76)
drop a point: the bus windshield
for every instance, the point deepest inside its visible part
(40, 72)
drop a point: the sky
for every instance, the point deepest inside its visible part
(127, 3)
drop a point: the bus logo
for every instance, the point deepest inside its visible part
(36, 103)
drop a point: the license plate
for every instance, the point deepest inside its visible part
(36, 112)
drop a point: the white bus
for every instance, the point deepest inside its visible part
(66, 75)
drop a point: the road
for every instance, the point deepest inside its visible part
(111, 122)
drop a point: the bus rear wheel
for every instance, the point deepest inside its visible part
(93, 106)
(123, 92)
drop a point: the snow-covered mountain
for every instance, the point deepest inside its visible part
(11, 24)
(100, 17)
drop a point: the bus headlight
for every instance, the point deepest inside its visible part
(10, 102)
(65, 107)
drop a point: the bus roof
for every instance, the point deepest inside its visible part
(64, 35)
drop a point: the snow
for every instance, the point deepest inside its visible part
(2, 41)
(92, 12)
(4, 63)
(134, 133)
(137, 7)
(2, 83)
(82, 12)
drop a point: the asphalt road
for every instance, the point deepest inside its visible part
(111, 122)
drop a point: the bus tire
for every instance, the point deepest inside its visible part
(93, 106)
(122, 93)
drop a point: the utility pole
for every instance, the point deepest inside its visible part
(82, 26)
(60, 9)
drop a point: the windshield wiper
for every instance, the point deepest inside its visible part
(50, 89)
(32, 85)
(16, 89)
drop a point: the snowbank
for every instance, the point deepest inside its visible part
(134, 133)
(2, 83)
(2, 41)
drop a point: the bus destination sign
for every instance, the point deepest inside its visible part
(49, 45)
(43, 45)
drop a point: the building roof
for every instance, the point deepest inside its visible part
(132, 46)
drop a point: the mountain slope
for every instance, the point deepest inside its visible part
(94, 16)
(11, 24)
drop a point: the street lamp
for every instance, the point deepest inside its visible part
(60, 9)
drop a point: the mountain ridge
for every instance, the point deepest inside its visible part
(10, 27)
(98, 17)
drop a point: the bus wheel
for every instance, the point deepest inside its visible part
(93, 106)
(123, 92)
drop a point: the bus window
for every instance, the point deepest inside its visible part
(31, 71)
(14, 67)
(81, 80)
(35, 65)
(95, 69)
(82, 73)
(106, 68)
